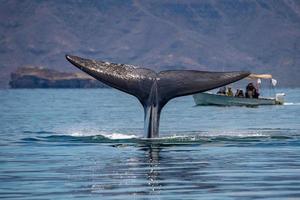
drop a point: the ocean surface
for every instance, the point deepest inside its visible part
(89, 144)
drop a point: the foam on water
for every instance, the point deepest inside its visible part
(90, 132)
(291, 104)
(179, 135)
(111, 136)
(118, 136)
(101, 136)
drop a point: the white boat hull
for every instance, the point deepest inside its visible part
(222, 100)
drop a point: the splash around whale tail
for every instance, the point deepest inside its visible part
(153, 89)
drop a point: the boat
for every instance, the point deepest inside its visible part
(209, 98)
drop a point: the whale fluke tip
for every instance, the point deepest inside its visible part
(75, 60)
(69, 57)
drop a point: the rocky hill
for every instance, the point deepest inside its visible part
(217, 35)
(33, 77)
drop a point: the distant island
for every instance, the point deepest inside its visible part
(36, 77)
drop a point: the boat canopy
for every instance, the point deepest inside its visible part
(261, 76)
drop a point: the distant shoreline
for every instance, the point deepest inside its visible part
(34, 78)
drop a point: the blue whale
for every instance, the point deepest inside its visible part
(152, 89)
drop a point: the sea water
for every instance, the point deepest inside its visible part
(89, 144)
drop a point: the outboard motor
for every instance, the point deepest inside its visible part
(279, 98)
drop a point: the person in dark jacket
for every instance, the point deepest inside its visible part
(222, 91)
(251, 91)
(239, 93)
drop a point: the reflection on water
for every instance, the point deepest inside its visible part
(164, 170)
(149, 173)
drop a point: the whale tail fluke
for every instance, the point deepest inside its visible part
(153, 89)
(127, 78)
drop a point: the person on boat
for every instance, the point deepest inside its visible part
(229, 92)
(251, 91)
(222, 91)
(256, 91)
(255, 94)
(239, 93)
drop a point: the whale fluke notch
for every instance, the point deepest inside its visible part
(153, 89)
